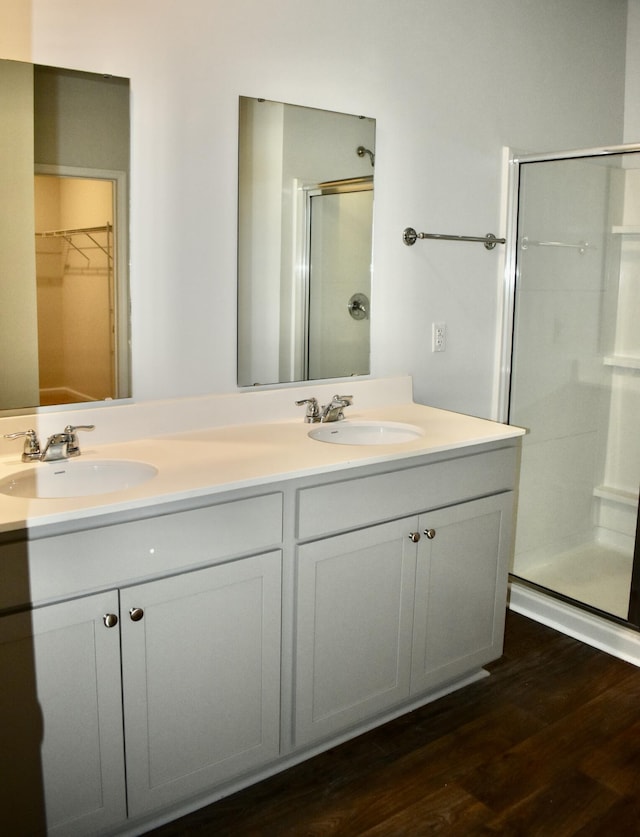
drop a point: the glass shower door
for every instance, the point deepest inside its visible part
(575, 377)
(339, 268)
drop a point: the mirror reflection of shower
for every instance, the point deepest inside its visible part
(336, 279)
(361, 151)
(304, 242)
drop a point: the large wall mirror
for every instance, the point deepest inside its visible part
(305, 209)
(64, 284)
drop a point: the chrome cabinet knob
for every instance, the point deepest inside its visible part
(110, 620)
(414, 537)
(430, 533)
(136, 614)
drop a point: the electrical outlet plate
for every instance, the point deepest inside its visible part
(438, 337)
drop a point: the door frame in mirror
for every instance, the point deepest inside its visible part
(121, 302)
(304, 192)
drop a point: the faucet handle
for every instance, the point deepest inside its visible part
(73, 448)
(312, 413)
(31, 444)
(342, 400)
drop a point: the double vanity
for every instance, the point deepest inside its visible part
(200, 592)
(190, 607)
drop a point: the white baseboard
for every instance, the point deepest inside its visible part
(614, 639)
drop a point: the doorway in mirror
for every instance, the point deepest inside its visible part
(339, 270)
(76, 288)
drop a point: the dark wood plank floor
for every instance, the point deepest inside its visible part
(548, 745)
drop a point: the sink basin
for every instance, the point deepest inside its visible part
(73, 478)
(365, 433)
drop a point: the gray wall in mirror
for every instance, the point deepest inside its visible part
(304, 243)
(64, 177)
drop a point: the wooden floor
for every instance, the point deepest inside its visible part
(548, 745)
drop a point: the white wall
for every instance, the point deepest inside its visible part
(449, 81)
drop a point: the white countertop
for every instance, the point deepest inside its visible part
(197, 463)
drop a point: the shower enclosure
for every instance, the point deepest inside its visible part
(336, 278)
(574, 361)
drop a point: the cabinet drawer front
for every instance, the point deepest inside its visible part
(358, 502)
(113, 555)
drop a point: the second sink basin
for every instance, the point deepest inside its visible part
(73, 478)
(366, 433)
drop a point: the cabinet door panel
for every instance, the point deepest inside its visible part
(355, 600)
(61, 708)
(461, 584)
(201, 676)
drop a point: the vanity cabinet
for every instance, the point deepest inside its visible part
(62, 759)
(354, 625)
(200, 691)
(388, 612)
(187, 664)
(201, 678)
(460, 590)
(154, 664)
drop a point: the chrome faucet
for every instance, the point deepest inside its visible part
(333, 411)
(59, 446)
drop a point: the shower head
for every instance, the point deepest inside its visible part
(361, 151)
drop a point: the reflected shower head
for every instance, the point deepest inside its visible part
(361, 151)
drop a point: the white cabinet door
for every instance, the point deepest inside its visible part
(61, 752)
(354, 616)
(461, 589)
(201, 678)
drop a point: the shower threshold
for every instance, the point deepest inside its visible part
(591, 574)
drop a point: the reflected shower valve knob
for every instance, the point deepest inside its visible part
(358, 307)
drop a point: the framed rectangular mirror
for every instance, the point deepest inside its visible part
(305, 220)
(64, 178)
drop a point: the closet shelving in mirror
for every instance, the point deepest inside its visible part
(86, 241)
